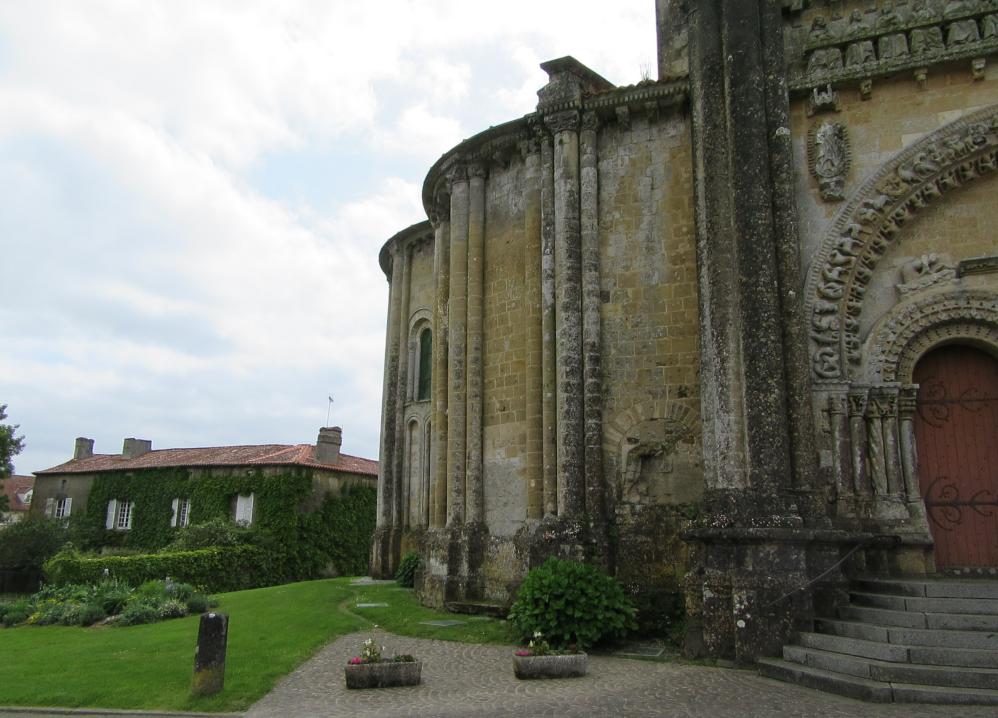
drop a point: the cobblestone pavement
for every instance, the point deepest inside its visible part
(475, 680)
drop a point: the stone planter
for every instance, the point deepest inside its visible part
(386, 674)
(571, 665)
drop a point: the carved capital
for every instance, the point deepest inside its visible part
(440, 212)
(907, 401)
(837, 404)
(457, 172)
(477, 170)
(567, 121)
(858, 399)
(590, 121)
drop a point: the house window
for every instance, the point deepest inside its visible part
(242, 509)
(63, 508)
(425, 365)
(119, 515)
(181, 512)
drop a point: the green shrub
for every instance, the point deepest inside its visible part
(228, 568)
(83, 614)
(214, 532)
(197, 603)
(28, 544)
(138, 612)
(406, 573)
(16, 612)
(571, 604)
(111, 595)
(172, 608)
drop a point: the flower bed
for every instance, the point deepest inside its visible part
(370, 670)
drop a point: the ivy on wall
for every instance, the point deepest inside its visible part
(336, 538)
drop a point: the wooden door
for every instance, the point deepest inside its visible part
(956, 431)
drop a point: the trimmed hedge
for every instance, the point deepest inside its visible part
(219, 569)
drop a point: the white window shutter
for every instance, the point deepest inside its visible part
(49, 507)
(244, 509)
(173, 520)
(112, 513)
(69, 507)
(128, 516)
(249, 509)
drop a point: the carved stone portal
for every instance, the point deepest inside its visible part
(828, 153)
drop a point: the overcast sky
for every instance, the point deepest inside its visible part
(193, 196)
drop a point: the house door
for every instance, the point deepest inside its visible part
(956, 431)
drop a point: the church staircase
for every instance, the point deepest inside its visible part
(903, 641)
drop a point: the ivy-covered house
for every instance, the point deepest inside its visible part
(142, 497)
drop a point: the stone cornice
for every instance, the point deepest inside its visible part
(414, 234)
(499, 143)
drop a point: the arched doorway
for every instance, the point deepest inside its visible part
(956, 431)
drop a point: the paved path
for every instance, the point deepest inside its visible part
(475, 680)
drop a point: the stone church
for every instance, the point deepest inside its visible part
(731, 334)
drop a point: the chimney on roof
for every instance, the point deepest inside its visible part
(84, 448)
(327, 448)
(136, 447)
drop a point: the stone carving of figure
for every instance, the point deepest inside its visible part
(859, 53)
(857, 25)
(888, 19)
(927, 40)
(956, 8)
(820, 32)
(989, 26)
(924, 272)
(890, 47)
(962, 32)
(921, 11)
(830, 158)
(824, 61)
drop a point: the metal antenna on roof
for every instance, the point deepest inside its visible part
(330, 406)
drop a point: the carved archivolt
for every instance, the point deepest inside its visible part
(870, 222)
(914, 328)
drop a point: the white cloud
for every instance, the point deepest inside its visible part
(155, 283)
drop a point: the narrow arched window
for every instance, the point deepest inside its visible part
(425, 365)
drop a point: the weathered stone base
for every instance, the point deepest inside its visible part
(385, 546)
(569, 666)
(383, 675)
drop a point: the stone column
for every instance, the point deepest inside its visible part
(858, 439)
(549, 413)
(907, 404)
(400, 470)
(591, 345)
(381, 544)
(892, 441)
(564, 127)
(457, 347)
(752, 546)
(441, 270)
(838, 422)
(475, 498)
(533, 398)
(875, 415)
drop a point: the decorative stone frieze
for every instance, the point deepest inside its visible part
(871, 220)
(829, 158)
(924, 272)
(904, 335)
(901, 37)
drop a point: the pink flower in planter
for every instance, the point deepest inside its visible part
(522, 652)
(356, 660)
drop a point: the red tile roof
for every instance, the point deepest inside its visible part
(14, 487)
(262, 455)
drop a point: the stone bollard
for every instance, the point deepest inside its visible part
(209, 656)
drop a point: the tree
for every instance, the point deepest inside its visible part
(10, 446)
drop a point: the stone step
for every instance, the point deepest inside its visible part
(905, 693)
(883, 616)
(931, 588)
(913, 619)
(830, 681)
(958, 677)
(908, 636)
(966, 657)
(855, 647)
(981, 606)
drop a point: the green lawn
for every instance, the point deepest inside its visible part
(271, 631)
